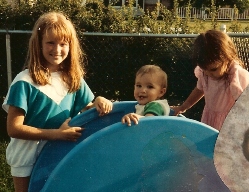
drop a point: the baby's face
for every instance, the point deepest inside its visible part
(148, 88)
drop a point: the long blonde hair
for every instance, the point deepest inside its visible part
(72, 69)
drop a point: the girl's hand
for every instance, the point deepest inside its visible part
(131, 117)
(178, 110)
(65, 132)
(103, 105)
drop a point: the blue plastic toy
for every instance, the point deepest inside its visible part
(54, 151)
(60, 160)
(159, 154)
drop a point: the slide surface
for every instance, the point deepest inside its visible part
(54, 151)
(159, 154)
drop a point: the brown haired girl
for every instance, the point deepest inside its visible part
(221, 77)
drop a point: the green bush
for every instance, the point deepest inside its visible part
(94, 16)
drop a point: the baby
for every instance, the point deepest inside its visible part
(150, 87)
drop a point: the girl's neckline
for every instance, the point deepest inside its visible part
(47, 70)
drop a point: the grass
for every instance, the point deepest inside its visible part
(6, 182)
(242, 25)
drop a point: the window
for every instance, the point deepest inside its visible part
(119, 3)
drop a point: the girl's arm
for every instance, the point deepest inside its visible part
(192, 99)
(16, 129)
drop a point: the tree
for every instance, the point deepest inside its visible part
(241, 5)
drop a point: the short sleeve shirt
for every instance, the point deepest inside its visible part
(153, 108)
(46, 106)
(220, 95)
(157, 108)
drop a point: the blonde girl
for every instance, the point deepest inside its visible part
(221, 77)
(46, 94)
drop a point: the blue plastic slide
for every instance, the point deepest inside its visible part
(159, 154)
(57, 156)
(54, 151)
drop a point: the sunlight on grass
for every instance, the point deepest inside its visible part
(242, 25)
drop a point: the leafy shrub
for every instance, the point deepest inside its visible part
(95, 16)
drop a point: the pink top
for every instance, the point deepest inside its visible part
(220, 95)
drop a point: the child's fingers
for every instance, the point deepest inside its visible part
(135, 120)
(104, 108)
(123, 120)
(67, 120)
(127, 120)
(133, 117)
(74, 134)
(79, 129)
(109, 107)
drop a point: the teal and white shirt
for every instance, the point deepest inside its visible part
(45, 107)
(157, 108)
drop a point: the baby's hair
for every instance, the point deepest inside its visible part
(72, 67)
(152, 69)
(214, 47)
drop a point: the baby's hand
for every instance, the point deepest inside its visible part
(103, 105)
(131, 117)
(65, 132)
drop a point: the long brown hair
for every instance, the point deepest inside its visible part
(214, 46)
(72, 69)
